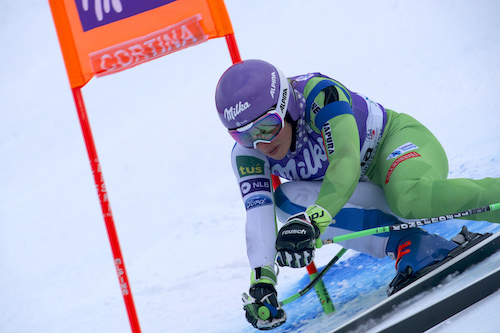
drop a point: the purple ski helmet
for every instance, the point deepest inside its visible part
(250, 88)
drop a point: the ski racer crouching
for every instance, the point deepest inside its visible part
(351, 164)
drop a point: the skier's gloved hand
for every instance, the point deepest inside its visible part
(262, 308)
(295, 241)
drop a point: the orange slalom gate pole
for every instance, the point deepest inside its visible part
(233, 48)
(106, 210)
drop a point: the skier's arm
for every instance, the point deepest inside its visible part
(332, 114)
(343, 172)
(253, 176)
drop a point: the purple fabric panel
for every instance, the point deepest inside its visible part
(96, 14)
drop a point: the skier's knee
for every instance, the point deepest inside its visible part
(409, 200)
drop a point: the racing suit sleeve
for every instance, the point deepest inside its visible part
(331, 113)
(252, 171)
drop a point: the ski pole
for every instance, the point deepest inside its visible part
(263, 311)
(411, 225)
(315, 280)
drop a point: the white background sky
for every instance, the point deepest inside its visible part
(165, 156)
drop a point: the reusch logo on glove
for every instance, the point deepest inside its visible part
(294, 232)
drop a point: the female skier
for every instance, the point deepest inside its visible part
(351, 164)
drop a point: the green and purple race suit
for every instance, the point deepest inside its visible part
(340, 139)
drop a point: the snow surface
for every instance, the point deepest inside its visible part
(165, 158)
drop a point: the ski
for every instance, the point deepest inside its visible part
(449, 306)
(457, 263)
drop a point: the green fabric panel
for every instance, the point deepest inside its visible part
(342, 147)
(343, 171)
(417, 187)
(267, 276)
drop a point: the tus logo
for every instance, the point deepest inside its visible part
(249, 166)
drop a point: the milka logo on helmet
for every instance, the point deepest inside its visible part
(234, 111)
(273, 84)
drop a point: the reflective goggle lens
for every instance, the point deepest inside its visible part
(264, 129)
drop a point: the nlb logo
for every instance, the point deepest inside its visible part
(151, 46)
(254, 185)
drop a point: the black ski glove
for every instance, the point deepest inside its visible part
(296, 240)
(262, 308)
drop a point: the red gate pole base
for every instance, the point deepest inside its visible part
(321, 291)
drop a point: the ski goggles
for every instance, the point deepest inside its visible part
(263, 129)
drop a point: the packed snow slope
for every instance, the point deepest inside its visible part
(165, 158)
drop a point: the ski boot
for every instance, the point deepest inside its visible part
(414, 250)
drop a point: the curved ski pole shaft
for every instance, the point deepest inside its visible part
(321, 291)
(411, 225)
(315, 280)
